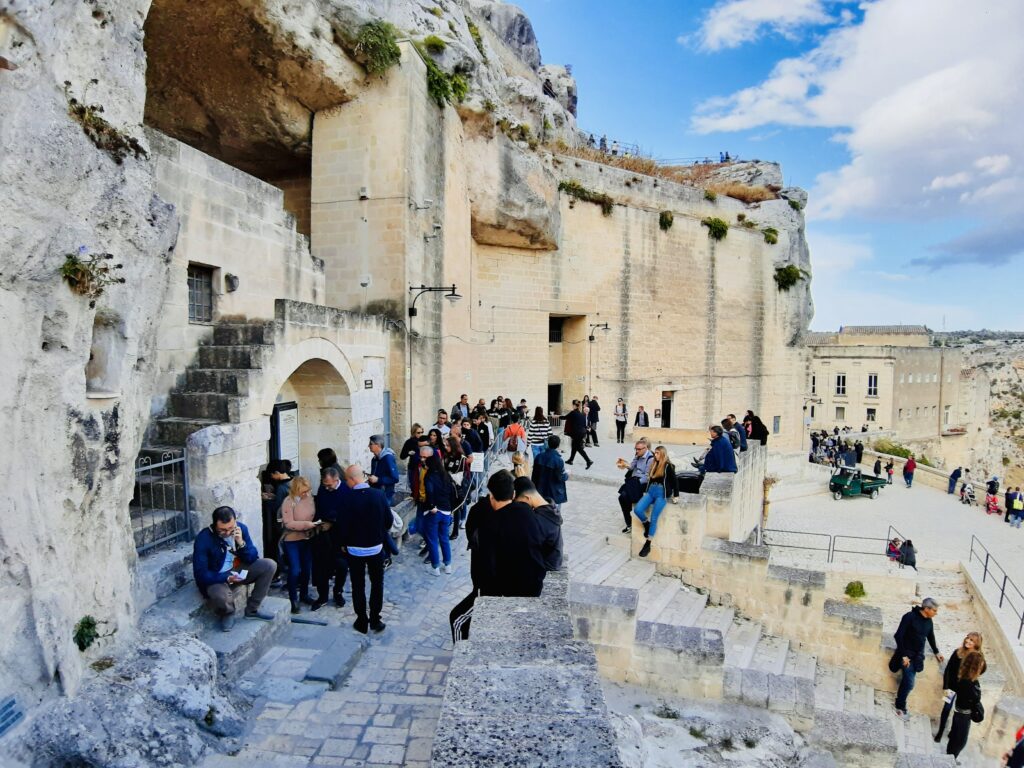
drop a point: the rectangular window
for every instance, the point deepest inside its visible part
(945, 415)
(917, 411)
(812, 411)
(900, 416)
(840, 413)
(840, 383)
(814, 384)
(200, 294)
(872, 385)
(901, 378)
(871, 414)
(776, 424)
(555, 329)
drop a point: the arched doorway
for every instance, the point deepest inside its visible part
(322, 416)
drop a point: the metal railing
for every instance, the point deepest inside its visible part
(990, 565)
(159, 509)
(777, 537)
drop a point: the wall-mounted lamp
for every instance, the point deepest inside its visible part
(231, 282)
(598, 326)
(364, 193)
(427, 203)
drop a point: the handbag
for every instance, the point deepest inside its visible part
(978, 713)
(397, 524)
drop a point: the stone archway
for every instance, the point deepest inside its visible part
(324, 412)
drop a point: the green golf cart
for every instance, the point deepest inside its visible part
(850, 481)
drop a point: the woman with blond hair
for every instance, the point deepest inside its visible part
(972, 643)
(297, 512)
(967, 702)
(519, 466)
(661, 486)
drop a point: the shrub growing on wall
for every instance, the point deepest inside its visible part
(377, 45)
(788, 276)
(771, 235)
(434, 44)
(474, 32)
(717, 229)
(855, 590)
(577, 191)
(665, 219)
(709, 195)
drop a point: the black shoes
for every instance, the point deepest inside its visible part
(626, 529)
(307, 600)
(339, 599)
(645, 550)
(569, 463)
(317, 604)
(377, 626)
(590, 464)
(295, 607)
(360, 625)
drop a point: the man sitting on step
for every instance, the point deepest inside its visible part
(223, 559)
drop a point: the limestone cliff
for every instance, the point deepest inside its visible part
(67, 476)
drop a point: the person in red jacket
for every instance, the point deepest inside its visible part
(908, 471)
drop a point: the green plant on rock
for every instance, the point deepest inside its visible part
(377, 47)
(855, 590)
(436, 10)
(771, 235)
(434, 44)
(439, 85)
(665, 712)
(665, 219)
(478, 41)
(87, 632)
(741, 217)
(577, 191)
(788, 276)
(489, 106)
(795, 205)
(101, 133)
(88, 274)
(717, 229)
(460, 87)
(710, 196)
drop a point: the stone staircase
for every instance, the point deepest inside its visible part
(853, 721)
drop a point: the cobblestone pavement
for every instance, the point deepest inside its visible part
(386, 712)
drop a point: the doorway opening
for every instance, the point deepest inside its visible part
(666, 409)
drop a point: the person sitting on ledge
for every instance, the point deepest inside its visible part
(720, 457)
(224, 558)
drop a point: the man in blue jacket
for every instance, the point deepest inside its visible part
(383, 468)
(221, 555)
(363, 527)
(720, 457)
(549, 474)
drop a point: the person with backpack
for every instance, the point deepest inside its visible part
(438, 502)
(889, 471)
(514, 435)
(1016, 503)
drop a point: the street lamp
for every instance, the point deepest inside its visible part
(450, 293)
(590, 368)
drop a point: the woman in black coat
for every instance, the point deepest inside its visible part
(972, 642)
(968, 697)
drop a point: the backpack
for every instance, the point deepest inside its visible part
(515, 440)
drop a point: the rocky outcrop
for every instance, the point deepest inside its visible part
(66, 541)
(513, 195)
(562, 86)
(513, 27)
(754, 173)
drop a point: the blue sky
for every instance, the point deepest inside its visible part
(900, 117)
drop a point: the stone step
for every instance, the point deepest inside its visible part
(184, 610)
(658, 592)
(801, 665)
(217, 380)
(151, 526)
(174, 430)
(770, 655)
(154, 491)
(200, 405)
(917, 737)
(583, 550)
(684, 608)
(633, 573)
(854, 739)
(937, 760)
(829, 688)
(741, 642)
(230, 357)
(162, 572)
(859, 699)
(716, 617)
(235, 334)
(609, 560)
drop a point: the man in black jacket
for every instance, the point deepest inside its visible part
(642, 419)
(576, 428)
(328, 559)
(508, 557)
(914, 631)
(594, 417)
(362, 526)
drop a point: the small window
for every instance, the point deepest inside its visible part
(917, 411)
(872, 385)
(200, 294)
(555, 329)
(841, 384)
(900, 416)
(840, 413)
(871, 414)
(949, 378)
(814, 384)
(812, 411)
(776, 424)
(919, 378)
(945, 415)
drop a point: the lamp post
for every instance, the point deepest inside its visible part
(450, 293)
(591, 338)
(803, 426)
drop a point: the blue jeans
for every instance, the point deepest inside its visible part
(1016, 519)
(300, 563)
(907, 679)
(390, 545)
(655, 495)
(952, 487)
(909, 477)
(537, 449)
(436, 524)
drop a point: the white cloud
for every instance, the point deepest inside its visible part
(926, 97)
(734, 22)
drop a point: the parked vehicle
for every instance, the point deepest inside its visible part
(849, 481)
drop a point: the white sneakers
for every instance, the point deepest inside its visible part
(447, 569)
(435, 571)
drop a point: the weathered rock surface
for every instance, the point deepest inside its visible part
(513, 195)
(513, 27)
(158, 706)
(66, 541)
(563, 85)
(756, 173)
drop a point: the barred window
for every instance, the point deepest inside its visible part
(200, 294)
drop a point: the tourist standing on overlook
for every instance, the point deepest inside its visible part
(661, 487)
(363, 526)
(576, 429)
(638, 473)
(951, 674)
(914, 631)
(720, 456)
(621, 416)
(908, 470)
(740, 430)
(757, 430)
(641, 419)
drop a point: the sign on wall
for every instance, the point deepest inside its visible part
(284, 433)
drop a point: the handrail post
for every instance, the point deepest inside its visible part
(984, 574)
(1002, 590)
(1021, 627)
